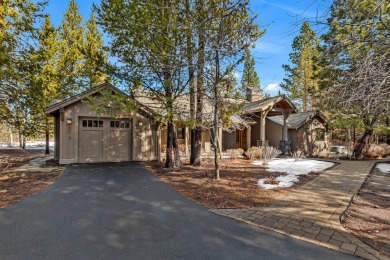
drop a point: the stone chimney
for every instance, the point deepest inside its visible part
(254, 94)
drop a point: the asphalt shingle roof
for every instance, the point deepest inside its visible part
(294, 120)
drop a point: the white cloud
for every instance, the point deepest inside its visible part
(272, 87)
(301, 11)
(269, 47)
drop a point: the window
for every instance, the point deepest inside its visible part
(92, 123)
(320, 135)
(180, 132)
(120, 124)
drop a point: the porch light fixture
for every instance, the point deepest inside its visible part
(69, 121)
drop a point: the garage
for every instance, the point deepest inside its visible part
(104, 140)
(83, 136)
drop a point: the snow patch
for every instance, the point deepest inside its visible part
(383, 167)
(292, 168)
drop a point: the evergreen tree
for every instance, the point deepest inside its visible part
(301, 82)
(148, 40)
(45, 84)
(357, 48)
(71, 42)
(95, 54)
(17, 31)
(250, 79)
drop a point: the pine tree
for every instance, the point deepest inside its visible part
(357, 48)
(95, 54)
(300, 81)
(45, 83)
(17, 31)
(250, 79)
(71, 60)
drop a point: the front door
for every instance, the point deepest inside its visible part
(241, 139)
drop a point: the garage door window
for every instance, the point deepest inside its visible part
(120, 124)
(92, 123)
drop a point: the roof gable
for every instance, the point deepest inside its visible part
(298, 120)
(56, 104)
(278, 102)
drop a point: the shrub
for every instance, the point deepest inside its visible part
(253, 153)
(234, 153)
(264, 153)
(297, 155)
(374, 151)
(268, 153)
(386, 149)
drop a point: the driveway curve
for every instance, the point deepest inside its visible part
(122, 211)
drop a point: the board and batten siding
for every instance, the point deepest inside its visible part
(143, 138)
(228, 140)
(206, 141)
(273, 133)
(255, 130)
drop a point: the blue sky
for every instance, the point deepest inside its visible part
(281, 18)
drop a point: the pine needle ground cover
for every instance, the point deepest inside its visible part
(237, 187)
(16, 186)
(368, 216)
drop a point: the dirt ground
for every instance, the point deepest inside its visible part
(16, 186)
(237, 187)
(368, 216)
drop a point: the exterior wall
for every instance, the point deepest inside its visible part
(184, 143)
(228, 140)
(255, 130)
(144, 146)
(305, 137)
(273, 133)
(292, 136)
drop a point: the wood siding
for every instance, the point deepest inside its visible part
(186, 141)
(255, 130)
(142, 139)
(273, 133)
(228, 140)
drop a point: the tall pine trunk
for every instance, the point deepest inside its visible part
(200, 88)
(20, 139)
(387, 122)
(11, 136)
(365, 138)
(191, 76)
(216, 120)
(169, 149)
(176, 151)
(23, 142)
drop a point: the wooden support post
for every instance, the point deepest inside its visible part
(248, 137)
(285, 125)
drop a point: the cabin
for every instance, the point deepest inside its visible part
(83, 135)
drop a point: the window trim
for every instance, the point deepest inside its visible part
(323, 134)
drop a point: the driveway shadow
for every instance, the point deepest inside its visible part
(122, 211)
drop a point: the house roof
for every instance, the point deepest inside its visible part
(274, 103)
(56, 104)
(298, 120)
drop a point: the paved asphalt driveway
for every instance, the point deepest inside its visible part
(122, 211)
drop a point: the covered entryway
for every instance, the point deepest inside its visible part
(104, 140)
(241, 139)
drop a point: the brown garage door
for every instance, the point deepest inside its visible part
(104, 140)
